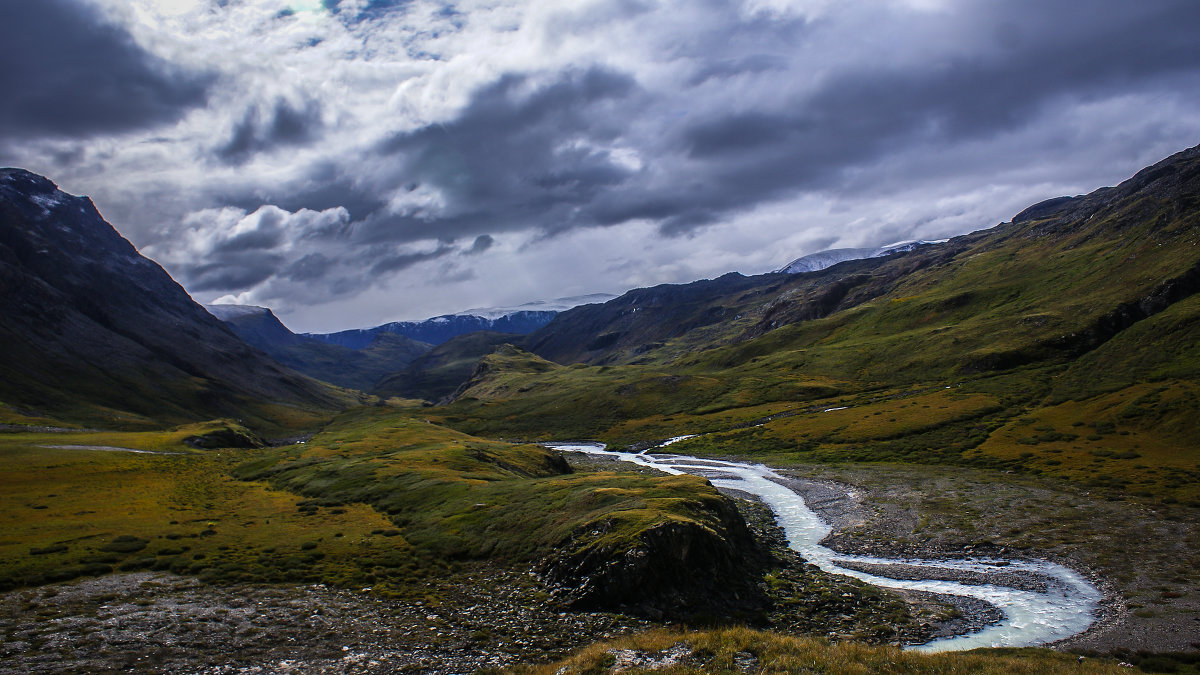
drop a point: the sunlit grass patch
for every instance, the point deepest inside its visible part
(69, 513)
(888, 417)
(455, 496)
(1135, 440)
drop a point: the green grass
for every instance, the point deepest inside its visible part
(376, 499)
(459, 497)
(70, 513)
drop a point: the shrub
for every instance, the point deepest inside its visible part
(57, 548)
(125, 544)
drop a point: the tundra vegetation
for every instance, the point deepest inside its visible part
(1031, 389)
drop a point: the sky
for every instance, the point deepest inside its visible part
(352, 162)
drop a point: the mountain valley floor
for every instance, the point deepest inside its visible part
(485, 617)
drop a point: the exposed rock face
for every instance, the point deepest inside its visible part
(90, 324)
(677, 569)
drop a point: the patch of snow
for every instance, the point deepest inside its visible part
(48, 201)
(815, 262)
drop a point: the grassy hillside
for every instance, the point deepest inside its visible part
(1060, 344)
(376, 498)
(437, 373)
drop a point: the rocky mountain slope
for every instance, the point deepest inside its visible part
(95, 332)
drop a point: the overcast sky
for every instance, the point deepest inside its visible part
(351, 162)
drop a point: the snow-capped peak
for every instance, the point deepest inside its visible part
(555, 305)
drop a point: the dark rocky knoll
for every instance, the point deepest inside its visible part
(677, 570)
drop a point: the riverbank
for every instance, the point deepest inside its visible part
(1143, 557)
(858, 527)
(932, 615)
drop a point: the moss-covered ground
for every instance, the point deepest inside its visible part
(377, 499)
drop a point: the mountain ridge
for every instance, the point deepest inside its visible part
(97, 332)
(337, 364)
(1041, 292)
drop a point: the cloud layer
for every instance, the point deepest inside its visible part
(350, 162)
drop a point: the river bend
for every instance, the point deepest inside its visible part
(1046, 602)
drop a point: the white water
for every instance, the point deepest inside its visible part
(1066, 608)
(108, 448)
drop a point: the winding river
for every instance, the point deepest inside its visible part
(1046, 603)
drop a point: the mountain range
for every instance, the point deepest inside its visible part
(436, 330)
(361, 358)
(354, 367)
(1017, 309)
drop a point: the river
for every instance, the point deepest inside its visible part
(1046, 603)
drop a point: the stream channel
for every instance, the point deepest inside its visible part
(1047, 602)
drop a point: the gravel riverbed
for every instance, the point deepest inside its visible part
(157, 622)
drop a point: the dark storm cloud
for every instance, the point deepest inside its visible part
(755, 63)
(285, 125)
(311, 267)
(322, 186)
(232, 270)
(507, 161)
(438, 144)
(510, 158)
(400, 261)
(482, 243)
(1050, 54)
(267, 234)
(69, 73)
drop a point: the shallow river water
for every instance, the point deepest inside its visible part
(1053, 602)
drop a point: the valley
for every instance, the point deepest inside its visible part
(1023, 393)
